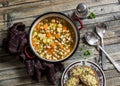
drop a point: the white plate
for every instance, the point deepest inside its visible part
(99, 71)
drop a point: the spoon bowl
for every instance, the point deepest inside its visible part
(101, 29)
(92, 39)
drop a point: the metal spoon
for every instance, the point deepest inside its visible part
(92, 39)
(100, 30)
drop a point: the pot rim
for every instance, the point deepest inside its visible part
(61, 15)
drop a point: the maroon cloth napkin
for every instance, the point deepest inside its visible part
(15, 42)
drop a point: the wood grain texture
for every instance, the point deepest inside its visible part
(13, 72)
(113, 81)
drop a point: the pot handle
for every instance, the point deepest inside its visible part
(26, 53)
(78, 19)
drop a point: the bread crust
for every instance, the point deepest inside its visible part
(86, 76)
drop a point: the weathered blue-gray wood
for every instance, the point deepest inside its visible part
(13, 73)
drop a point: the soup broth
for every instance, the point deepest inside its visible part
(53, 38)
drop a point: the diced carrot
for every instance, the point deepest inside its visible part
(50, 50)
(34, 41)
(37, 27)
(52, 45)
(34, 44)
(61, 46)
(64, 28)
(45, 26)
(57, 36)
(48, 34)
(57, 43)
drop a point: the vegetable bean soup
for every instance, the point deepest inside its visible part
(53, 38)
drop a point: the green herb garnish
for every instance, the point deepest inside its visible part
(92, 15)
(87, 53)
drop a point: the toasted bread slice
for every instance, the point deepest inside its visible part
(75, 71)
(78, 70)
(89, 70)
(72, 81)
(85, 74)
(89, 80)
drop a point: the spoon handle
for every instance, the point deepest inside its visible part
(116, 65)
(103, 58)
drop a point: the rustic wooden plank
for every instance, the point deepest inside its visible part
(37, 84)
(108, 18)
(15, 81)
(109, 65)
(13, 2)
(2, 35)
(111, 74)
(16, 2)
(104, 18)
(23, 81)
(3, 26)
(11, 64)
(36, 5)
(2, 51)
(33, 18)
(26, 81)
(1, 18)
(113, 81)
(6, 57)
(60, 7)
(112, 25)
(13, 73)
(102, 2)
(104, 9)
(97, 10)
(112, 49)
(111, 22)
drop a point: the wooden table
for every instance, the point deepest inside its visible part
(13, 73)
